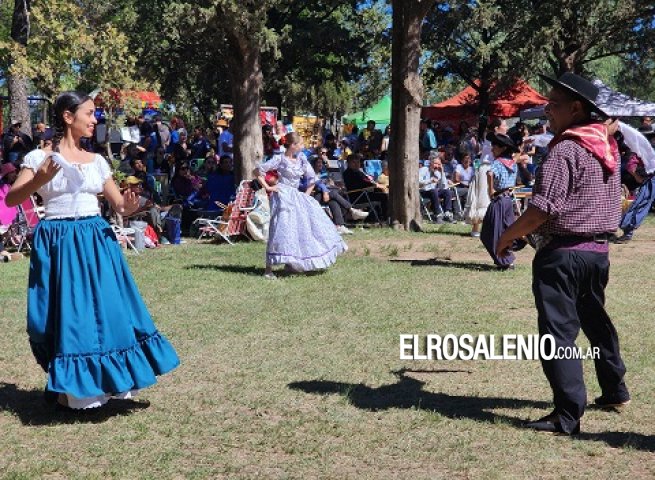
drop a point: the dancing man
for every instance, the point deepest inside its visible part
(576, 205)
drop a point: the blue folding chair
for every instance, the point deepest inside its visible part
(373, 168)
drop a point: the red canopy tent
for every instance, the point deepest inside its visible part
(464, 105)
(120, 97)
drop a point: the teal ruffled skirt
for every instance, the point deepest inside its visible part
(87, 324)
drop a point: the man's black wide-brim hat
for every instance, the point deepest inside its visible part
(579, 87)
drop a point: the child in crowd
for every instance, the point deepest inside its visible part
(383, 178)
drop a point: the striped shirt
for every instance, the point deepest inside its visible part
(578, 196)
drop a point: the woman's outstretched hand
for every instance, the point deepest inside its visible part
(130, 203)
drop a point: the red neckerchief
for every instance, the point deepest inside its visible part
(594, 138)
(508, 162)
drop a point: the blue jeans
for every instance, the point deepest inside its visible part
(639, 208)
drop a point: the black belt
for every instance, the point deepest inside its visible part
(596, 238)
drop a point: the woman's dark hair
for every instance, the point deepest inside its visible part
(179, 168)
(66, 102)
(620, 142)
(494, 124)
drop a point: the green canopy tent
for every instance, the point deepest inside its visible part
(380, 113)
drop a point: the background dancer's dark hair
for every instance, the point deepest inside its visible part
(65, 102)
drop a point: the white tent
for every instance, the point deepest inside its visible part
(532, 113)
(617, 104)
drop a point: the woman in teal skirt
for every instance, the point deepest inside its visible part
(87, 324)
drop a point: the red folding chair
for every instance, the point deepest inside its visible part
(233, 223)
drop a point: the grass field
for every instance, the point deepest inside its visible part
(301, 377)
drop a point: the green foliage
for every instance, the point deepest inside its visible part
(484, 40)
(501, 39)
(637, 75)
(335, 56)
(72, 45)
(316, 56)
(579, 33)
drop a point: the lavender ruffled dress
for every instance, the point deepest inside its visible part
(301, 234)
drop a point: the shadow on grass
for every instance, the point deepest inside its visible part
(408, 393)
(31, 408)
(453, 233)
(243, 269)
(437, 262)
(254, 271)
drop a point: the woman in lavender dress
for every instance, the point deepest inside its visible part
(301, 236)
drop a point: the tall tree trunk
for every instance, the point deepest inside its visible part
(16, 82)
(247, 81)
(406, 101)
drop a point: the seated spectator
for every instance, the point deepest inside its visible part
(147, 206)
(372, 138)
(449, 162)
(357, 181)
(271, 145)
(433, 185)
(464, 173)
(199, 143)
(383, 178)
(525, 177)
(15, 144)
(187, 186)
(181, 149)
(148, 180)
(221, 184)
(338, 205)
(345, 148)
(320, 161)
(331, 145)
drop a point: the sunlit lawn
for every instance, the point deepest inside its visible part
(301, 377)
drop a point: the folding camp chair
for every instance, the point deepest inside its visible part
(521, 197)
(360, 199)
(126, 236)
(19, 233)
(213, 227)
(425, 211)
(234, 222)
(335, 170)
(456, 200)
